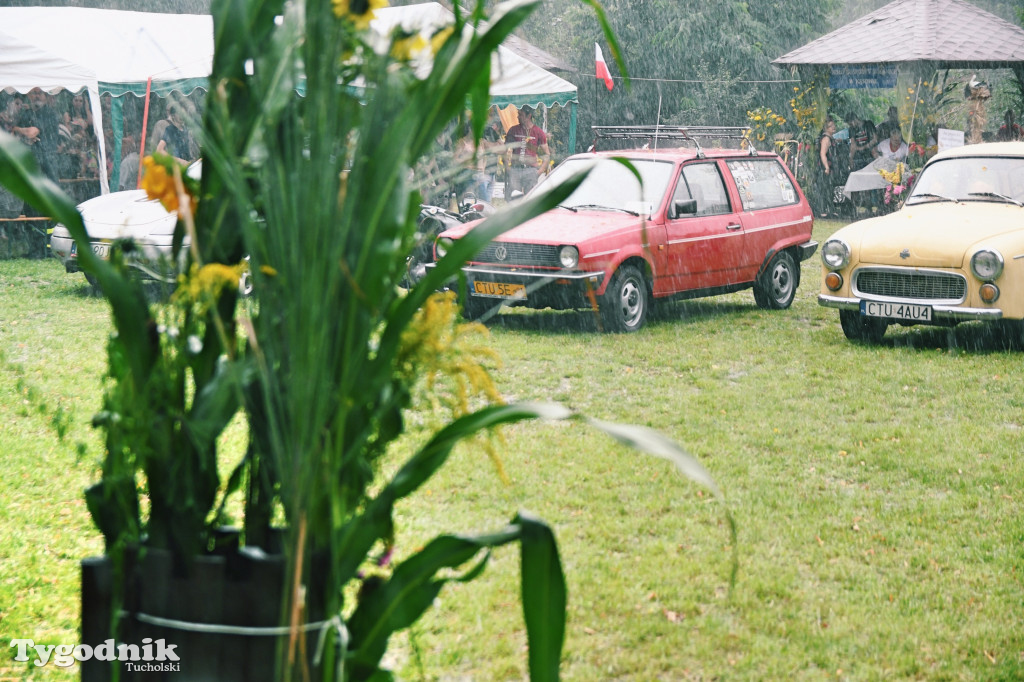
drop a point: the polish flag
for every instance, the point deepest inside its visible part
(602, 69)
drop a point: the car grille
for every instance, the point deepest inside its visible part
(911, 284)
(510, 253)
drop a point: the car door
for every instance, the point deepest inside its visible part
(702, 249)
(772, 212)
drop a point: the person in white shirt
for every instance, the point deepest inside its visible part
(892, 148)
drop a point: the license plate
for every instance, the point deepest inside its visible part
(101, 250)
(897, 311)
(500, 290)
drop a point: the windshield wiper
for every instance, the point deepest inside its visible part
(997, 196)
(607, 208)
(568, 208)
(926, 195)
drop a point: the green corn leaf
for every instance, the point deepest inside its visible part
(359, 534)
(654, 443)
(543, 596)
(389, 606)
(20, 174)
(216, 404)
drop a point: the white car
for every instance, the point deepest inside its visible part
(126, 215)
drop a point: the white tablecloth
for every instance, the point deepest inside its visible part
(868, 177)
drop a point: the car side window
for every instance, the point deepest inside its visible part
(762, 183)
(703, 182)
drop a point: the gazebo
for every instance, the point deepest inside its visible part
(920, 36)
(935, 34)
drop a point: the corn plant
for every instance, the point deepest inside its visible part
(312, 130)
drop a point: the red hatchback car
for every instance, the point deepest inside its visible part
(704, 222)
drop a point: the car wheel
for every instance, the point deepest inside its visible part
(624, 305)
(474, 309)
(857, 327)
(775, 288)
(93, 282)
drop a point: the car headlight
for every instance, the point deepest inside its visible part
(441, 246)
(569, 257)
(987, 265)
(835, 254)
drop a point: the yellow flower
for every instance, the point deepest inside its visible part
(406, 48)
(204, 285)
(438, 39)
(446, 354)
(268, 271)
(359, 12)
(159, 184)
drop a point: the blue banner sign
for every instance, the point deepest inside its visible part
(857, 76)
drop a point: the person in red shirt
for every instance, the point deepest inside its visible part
(1010, 130)
(526, 142)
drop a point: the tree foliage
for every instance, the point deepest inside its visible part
(689, 62)
(693, 62)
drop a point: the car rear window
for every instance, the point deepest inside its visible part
(762, 183)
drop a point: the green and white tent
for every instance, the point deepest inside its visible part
(105, 52)
(514, 79)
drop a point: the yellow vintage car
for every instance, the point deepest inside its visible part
(953, 253)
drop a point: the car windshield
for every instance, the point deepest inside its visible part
(976, 178)
(612, 186)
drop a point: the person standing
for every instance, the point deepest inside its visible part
(826, 164)
(176, 140)
(1010, 130)
(39, 127)
(490, 150)
(526, 142)
(885, 128)
(862, 140)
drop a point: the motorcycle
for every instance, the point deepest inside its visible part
(432, 221)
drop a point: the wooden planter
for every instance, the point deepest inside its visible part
(234, 588)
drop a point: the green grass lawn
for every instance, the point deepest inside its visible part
(876, 490)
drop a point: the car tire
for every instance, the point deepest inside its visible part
(473, 309)
(626, 301)
(775, 287)
(858, 327)
(93, 282)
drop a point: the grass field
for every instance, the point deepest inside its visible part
(876, 490)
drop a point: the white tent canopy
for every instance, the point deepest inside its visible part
(514, 79)
(104, 51)
(126, 50)
(116, 52)
(24, 67)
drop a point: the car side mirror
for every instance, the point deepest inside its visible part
(684, 207)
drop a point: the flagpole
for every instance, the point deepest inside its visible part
(657, 121)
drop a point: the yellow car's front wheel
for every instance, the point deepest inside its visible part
(858, 327)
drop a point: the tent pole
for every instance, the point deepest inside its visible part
(913, 114)
(572, 128)
(145, 122)
(117, 126)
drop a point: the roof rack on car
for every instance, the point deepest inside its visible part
(681, 133)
